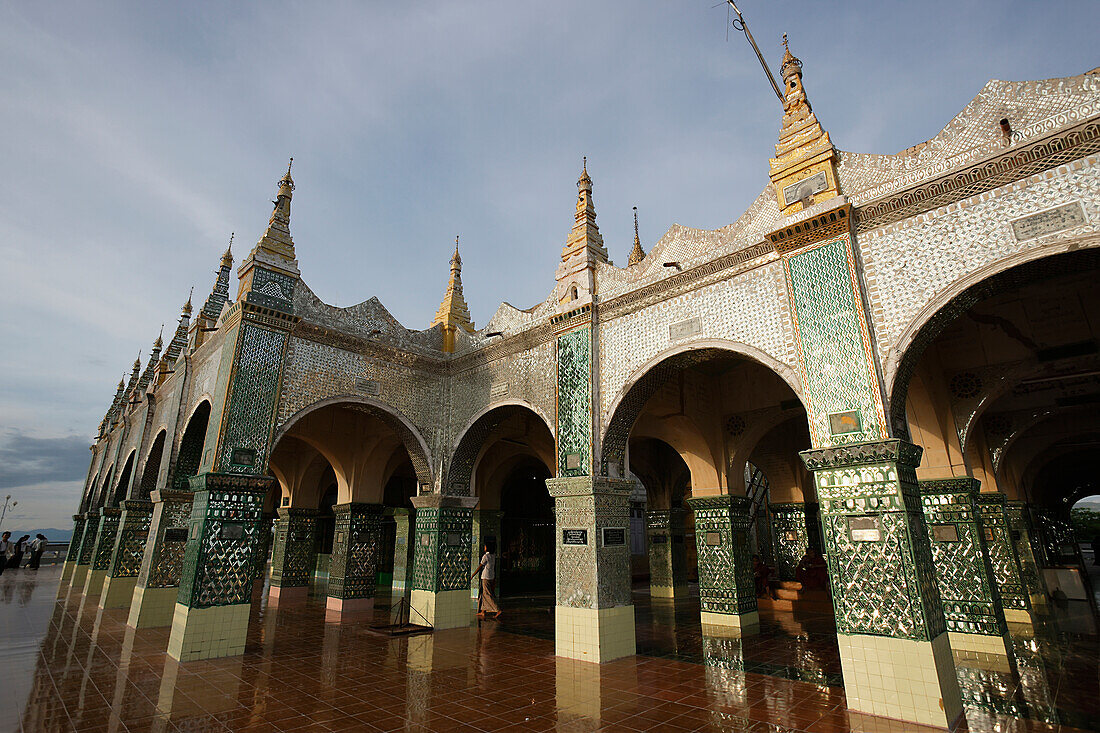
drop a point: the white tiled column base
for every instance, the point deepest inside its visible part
(666, 591)
(67, 571)
(747, 621)
(448, 609)
(205, 633)
(1017, 616)
(79, 577)
(594, 634)
(900, 678)
(152, 607)
(94, 585)
(117, 592)
(980, 643)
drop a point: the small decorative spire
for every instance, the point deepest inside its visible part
(187, 306)
(585, 235)
(790, 63)
(160, 339)
(453, 312)
(584, 173)
(227, 257)
(137, 363)
(637, 254)
(456, 258)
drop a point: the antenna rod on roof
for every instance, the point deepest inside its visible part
(740, 25)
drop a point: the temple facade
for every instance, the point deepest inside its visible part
(890, 358)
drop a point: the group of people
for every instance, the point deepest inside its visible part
(12, 553)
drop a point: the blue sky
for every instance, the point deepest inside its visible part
(138, 136)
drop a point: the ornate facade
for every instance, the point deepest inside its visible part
(816, 338)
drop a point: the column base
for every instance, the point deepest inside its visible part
(1018, 616)
(152, 607)
(79, 576)
(207, 633)
(664, 591)
(448, 609)
(278, 596)
(747, 622)
(117, 592)
(349, 605)
(94, 584)
(594, 634)
(902, 679)
(979, 643)
(67, 571)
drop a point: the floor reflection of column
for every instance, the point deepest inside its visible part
(418, 682)
(727, 685)
(579, 699)
(187, 695)
(663, 631)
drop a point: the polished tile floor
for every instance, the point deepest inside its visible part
(66, 666)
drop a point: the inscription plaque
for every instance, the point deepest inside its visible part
(234, 532)
(865, 529)
(367, 386)
(453, 539)
(659, 539)
(572, 460)
(713, 539)
(243, 457)
(944, 533)
(841, 423)
(614, 536)
(1050, 221)
(684, 329)
(805, 188)
(574, 536)
(790, 535)
(175, 534)
(425, 539)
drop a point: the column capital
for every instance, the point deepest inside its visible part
(736, 504)
(359, 507)
(588, 486)
(439, 501)
(111, 511)
(293, 511)
(859, 454)
(138, 505)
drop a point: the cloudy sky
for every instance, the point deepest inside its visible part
(137, 136)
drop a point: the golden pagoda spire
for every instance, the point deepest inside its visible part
(276, 247)
(187, 306)
(637, 254)
(585, 235)
(453, 312)
(227, 256)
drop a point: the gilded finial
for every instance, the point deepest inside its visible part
(121, 384)
(227, 256)
(187, 305)
(584, 171)
(636, 225)
(159, 342)
(456, 258)
(790, 64)
(785, 43)
(637, 254)
(137, 363)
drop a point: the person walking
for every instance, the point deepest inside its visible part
(37, 547)
(486, 603)
(17, 555)
(6, 550)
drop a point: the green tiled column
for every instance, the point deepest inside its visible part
(101, 553)
(727, 589)
(158, 580)
(294, 555)
(890, 623)
(125, 562)
(668, 573)
(219, 564)
(486, 524)
(1022, 533)
(795, 529)
(1002, 555)
(356, 549)
(403, 547)
(971, 604)
(82, 569)
(73, 553)
(594, 616)
(441, 561)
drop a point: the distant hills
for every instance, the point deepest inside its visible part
(53, 534)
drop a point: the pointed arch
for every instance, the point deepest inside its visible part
(152, 466)
(468, 445)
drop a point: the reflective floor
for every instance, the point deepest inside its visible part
(66, 666)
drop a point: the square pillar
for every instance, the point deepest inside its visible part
(1022, 534)
(402, 551)
(594, 615)
(1002, 556)
(84, 553)
(220, 562)
(294, 555)
(895, 653)
(73, 553)
(129, 549)
(154, 600)
(971, 604)
(668, 574)
(441, 561)
(104, 547)
(795, 528)
(486, 526)
(356, 549)
(727, 587)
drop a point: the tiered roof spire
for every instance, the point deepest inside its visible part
(453, 312)
(219, 295)
(585, 235)
(276, 241)
(637, 254)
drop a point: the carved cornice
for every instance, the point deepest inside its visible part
(566, 486)
(814, 229)
(735, 504)
(953, 485)
(858, 454)
(1043, 154)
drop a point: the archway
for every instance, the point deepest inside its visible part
(191, 446)
(151, 471)
(123, 480)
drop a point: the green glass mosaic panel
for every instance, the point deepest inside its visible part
(75, 543)
(969, 596)
(356, 551)
(1002, 555)
(792, 524)
(294, 555)
(133, 530)
(219, 563)
(441, 558)
(87, 542)
(105, 539)
(726, 582)
(163, 561)
(575, 402)
(833, 342)
(272, 289)
(254, 390)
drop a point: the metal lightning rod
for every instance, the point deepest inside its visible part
(740, 25)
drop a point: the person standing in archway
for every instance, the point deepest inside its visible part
(486, 602)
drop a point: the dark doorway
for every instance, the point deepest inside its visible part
(527, 528)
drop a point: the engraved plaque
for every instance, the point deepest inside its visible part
(572, 460)
(367, 386)
(453, 539)
(865, 529)
(236, 532)
(658, 539)
(841, 423)
(804, 188)
(175, 534)
(790, 535)
(339, 538)
(944, 533)
(713, 539)
(1049, 221)
(498, 390)
(574, 536)
(425, 539)
(684, 329)
(614, 536)
(243, 457)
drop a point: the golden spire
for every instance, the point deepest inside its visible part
(159, 340)
(187, 306)
(227, 257)
(453, 312)
(276, 243)
(585, 235)
(637, 254)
